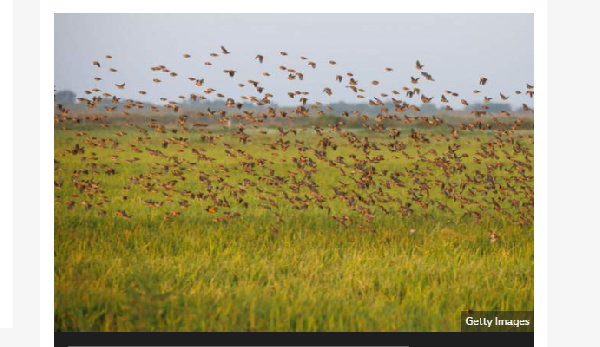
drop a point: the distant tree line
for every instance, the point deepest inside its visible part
(67, 97)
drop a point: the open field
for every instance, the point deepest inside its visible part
(198, 231)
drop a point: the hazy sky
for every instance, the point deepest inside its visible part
(456, 49)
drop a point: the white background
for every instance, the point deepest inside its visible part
(6, 207)
(566, 163)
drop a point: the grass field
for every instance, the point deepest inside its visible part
(261, 240)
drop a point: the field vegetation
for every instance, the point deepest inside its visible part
(179, 224)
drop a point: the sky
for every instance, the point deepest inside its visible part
(456, 49)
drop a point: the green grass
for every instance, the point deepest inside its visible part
(191, 273)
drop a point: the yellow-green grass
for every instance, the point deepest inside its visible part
(191, 273)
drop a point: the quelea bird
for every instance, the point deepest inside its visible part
(494, 237)
(123, 214)
(427, 76)
(425, 99)
(120, 86)
(260, 58)
(483, 81)
(420, 139)
(224, 50)
(419, 66)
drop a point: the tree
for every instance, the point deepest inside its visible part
(65, 97)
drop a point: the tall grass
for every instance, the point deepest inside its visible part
(314, 274)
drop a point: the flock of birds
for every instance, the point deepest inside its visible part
(438, 180)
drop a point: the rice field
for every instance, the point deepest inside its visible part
(317, 230)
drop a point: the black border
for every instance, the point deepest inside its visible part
(412, 339)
